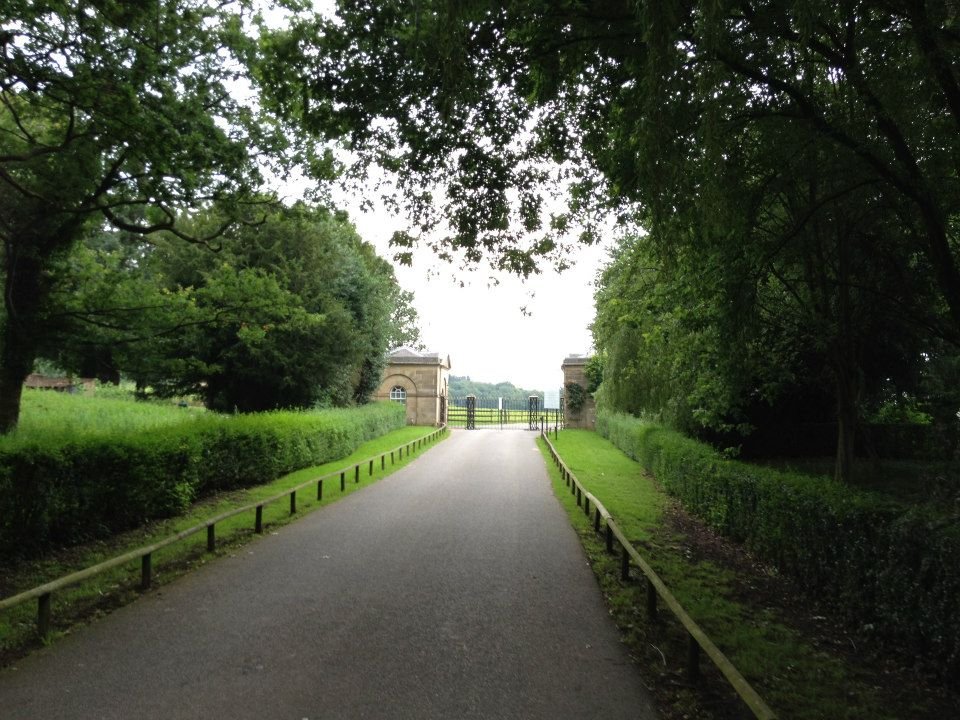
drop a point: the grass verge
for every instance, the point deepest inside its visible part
(88, 600)
(799, 676)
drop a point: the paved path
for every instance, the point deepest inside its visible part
(455, 588)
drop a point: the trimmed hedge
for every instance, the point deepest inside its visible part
(56, 492)
(892, 570)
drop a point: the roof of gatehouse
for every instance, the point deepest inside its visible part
(408, 356)
(574, 359)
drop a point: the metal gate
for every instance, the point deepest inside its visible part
(476, 413)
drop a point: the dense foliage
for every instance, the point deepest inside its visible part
(793, 166)
(293, 311)
(60, 488)
(118, 114)
(891, 570)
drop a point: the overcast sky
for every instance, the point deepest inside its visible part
(484, 329)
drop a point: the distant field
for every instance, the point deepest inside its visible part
(45, 413)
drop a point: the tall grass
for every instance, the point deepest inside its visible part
(46, 415)
(82, 467)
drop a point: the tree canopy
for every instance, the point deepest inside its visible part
(119, 114)
(291, 312)
(793, 165)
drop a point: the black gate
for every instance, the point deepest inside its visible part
(475, 412)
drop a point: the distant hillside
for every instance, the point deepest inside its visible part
(462, 385)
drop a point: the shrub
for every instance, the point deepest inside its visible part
(891, 569)
(60, 490)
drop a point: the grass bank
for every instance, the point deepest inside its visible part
(799, 662)
(112, 589)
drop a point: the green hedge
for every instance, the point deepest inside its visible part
(56, 492)
(892, 570)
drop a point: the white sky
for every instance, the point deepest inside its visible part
(483, 328)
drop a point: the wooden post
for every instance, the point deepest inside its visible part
(609, 539)
(693, 660)
(43, 615)
(383, 462)
(371, 467)
(596, 520)
(579, 497)
(356, 474)
(391, 457)
(319, 490)
(625, 564)
(343, 482)
(293, 502)
(586, 506)
(258, 523)
(146, 572)
(651, 600)
(211, 538)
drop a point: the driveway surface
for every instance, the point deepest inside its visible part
(455, 588)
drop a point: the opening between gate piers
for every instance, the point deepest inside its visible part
(475, 412)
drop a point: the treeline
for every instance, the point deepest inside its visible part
(294, 310)
(789, 172)
(461, 385)
(140, 232)
(782, 344)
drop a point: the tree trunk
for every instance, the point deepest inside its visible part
(846, 368)
(25, 292)
(11, 391)
(847, 400)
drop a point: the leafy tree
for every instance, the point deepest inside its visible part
(106, 305)
(794, 164)
(294, 311)
(473, 97)
(113, 113)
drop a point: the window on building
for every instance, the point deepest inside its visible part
(399, 394)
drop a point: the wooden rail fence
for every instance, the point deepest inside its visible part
(43, 593)
(698, 641)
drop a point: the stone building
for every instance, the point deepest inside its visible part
(419, 381)
(575, 373)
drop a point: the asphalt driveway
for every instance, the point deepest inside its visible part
(454, 588)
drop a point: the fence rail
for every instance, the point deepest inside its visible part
(43, 593)
(698, 639)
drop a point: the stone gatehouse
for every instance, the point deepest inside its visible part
(419, 381)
